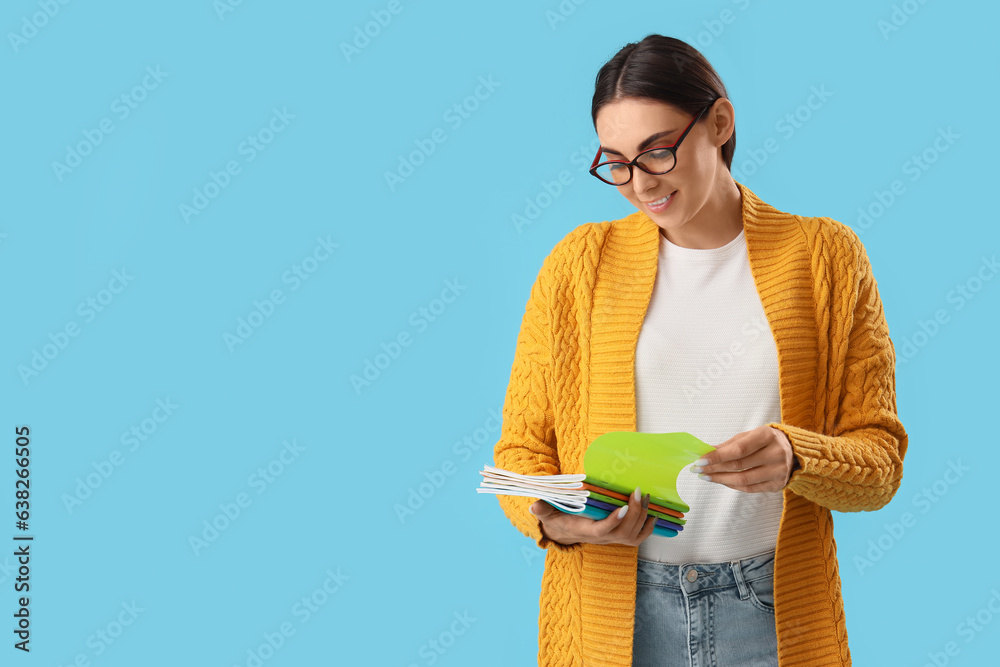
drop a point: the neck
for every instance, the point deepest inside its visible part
(718, 222)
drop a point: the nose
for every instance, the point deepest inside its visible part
(642, 182)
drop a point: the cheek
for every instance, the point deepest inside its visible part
(703, 162)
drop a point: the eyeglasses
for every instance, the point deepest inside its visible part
(656, 161)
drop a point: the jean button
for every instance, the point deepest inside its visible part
(692, 575)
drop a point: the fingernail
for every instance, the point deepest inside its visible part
(705, 477)
(637, 493)
(530, 511)
(622, 511)
(701, 462)
(645, 502)
(696, 469)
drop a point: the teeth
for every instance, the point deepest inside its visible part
(660, 201)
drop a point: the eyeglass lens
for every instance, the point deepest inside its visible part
(658, 161)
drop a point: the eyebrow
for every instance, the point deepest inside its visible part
(644, 145)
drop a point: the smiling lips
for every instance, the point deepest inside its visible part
(660, 204)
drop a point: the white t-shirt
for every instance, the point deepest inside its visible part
(706, 363)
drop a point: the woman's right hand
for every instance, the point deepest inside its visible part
(567, 529)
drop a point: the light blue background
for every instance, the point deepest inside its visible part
(323, 175)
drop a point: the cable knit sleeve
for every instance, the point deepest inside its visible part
(527, 442)
(859, 465)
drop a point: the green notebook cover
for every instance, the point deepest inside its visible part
(623, 460)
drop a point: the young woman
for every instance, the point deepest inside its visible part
(712, 312)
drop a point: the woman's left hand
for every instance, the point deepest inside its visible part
(755, 461)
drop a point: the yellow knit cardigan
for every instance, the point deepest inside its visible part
(573, 378)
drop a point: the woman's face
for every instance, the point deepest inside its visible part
(627, 127)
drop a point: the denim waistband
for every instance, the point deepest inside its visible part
(694, 577)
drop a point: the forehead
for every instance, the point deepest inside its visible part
(630, 120)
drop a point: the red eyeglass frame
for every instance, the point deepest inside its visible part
(634, 163)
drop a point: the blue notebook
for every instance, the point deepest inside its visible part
(600, 504)
(597, 513)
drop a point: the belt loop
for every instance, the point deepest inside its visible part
(741, 585)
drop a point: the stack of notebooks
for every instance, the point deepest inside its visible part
(614, 465)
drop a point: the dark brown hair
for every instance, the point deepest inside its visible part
(664, 69)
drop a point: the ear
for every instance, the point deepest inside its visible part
(721, 121)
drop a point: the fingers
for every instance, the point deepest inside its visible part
(769, 486)
(755, 480)
(643, 523)
(627, 530)
(738, 459)
(647, 529)
(542, 510)
(631, 528)
(638, 513)
(755, 461)
(738, 448)
(565, 527)
(735, 447)
(621, 520)
(557, 525)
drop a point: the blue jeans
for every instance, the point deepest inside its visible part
(705, 615)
